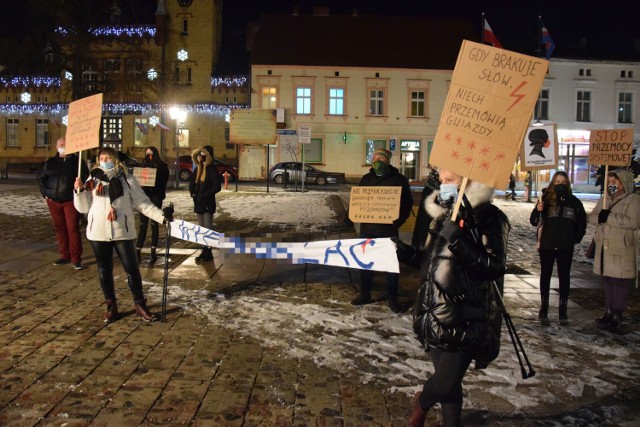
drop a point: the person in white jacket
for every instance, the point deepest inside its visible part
(108, 198)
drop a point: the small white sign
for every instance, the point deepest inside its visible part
(304, 134)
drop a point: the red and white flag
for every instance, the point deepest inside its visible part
(489, 37)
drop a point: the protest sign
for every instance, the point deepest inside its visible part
(611, 147)
(84, 124)
(487, 111)
(540, 148)
(145, 176)
(374, 205)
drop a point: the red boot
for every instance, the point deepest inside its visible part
(418, 415)
(143, 312)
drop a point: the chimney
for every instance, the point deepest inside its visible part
(161, 24)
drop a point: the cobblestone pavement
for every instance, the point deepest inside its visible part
(61, 365)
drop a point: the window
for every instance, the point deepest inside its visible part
(583, 106)
(183, 138)
(625, 107)
(303, 100)
(313, 151)
(111, 133)
(376, 102)
(269, 97)
(626, 74)
(584, 72)
(13, 128)
(336, 101)
(542, 106)
(176, 75)
(42, 133)
(112, 66)
(139, 132)
(89, 77)
(417, 103)
(135, 74)
(185, 26)
(371, 146)
(189, 75)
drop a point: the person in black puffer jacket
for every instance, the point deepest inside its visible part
(384, 174)
(156, 194)
(56, 186)
(204, 185)
(457, 315)
(562, 223)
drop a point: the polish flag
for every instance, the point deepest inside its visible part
(489, 37)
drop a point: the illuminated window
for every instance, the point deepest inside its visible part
(42, 133)
(269, 97)
(625, 107)
(303, 100)
(13, 133)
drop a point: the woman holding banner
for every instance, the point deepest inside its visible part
(156, 194)
(203, 187)
(456, 315)
(615, 256)
(562, 223)
(108, 198)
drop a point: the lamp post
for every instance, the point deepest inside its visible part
(180, 116)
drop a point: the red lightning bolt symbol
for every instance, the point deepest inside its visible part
(518, 96)
(364, 245)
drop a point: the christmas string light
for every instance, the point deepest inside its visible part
(228, 81)
(115, 31)
(17, 81)
(118, 108)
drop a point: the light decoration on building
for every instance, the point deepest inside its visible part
(68, 75)
(119, 109)
(65, 120)
(154, 120)
(8, 81)
(228, 81)
(152, 74)
(115, 31)
(183, 55)
(25, 97)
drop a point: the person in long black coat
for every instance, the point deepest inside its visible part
(203, 187)
(384, 174)
(423, 219)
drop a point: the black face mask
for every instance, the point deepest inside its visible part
(561, 190)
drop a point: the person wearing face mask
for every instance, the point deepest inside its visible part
(56, 186)
(615, 255)
(156, 194)
(384, 174)
(562, 223)
(203, 187)
(109, 198)
(456, 316)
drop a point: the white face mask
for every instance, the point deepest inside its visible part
(61, 151)
(448, 194)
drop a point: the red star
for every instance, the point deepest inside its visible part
(472, 145)
(468, 160)
(455, 155)
(485, 150)
(500, 156)
(484, 165)
(459, 141)
(447, 137)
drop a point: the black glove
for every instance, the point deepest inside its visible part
(451, 231)
(603, 216)
(168, 213)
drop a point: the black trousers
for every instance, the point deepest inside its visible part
(126, 251)
(445, 385)
(144, 221)
(548, 257)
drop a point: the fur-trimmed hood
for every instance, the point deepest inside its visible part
(476, 193)
(626, 177)
(208, 158)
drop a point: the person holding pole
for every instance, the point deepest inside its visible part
(562, 223)
(457, 316)
(56, 186)
(108, 198)
(615, 255)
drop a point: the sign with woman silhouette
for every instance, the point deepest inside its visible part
(540, 148)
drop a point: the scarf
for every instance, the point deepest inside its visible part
(107, 182)
(201, 172)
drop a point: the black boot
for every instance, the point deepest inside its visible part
(606, 318)
(112, 311)
(202, 252)
(392, 298)
(139, 254)
(154, 257)
(206, 255)
(562, 309)
(616, 321)
(544, 308)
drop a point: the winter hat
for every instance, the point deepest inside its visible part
(382, 152)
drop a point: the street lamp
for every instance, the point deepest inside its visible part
(180, 116)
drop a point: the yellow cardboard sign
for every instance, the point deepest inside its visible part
(487, 112)
(611, 147)
(375, 205)
(252, 127)
(145, 176)
(83, 130)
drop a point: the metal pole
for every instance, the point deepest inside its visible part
(177, 166)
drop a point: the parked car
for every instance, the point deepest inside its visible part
(313, 174)
(185, 166)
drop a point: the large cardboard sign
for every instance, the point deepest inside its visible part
(611, 147)
(145, 176)
(540, 148)
(83, 130)
(375, 205)
(252, 127)
(487, 112)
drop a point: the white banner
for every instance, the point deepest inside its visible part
(361, 253)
